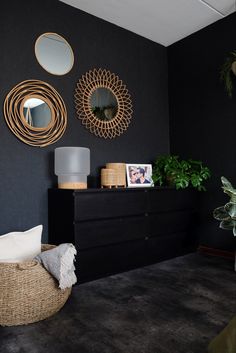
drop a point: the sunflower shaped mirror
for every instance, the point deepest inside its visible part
(103, 103)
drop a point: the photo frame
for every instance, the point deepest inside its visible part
(139, 175)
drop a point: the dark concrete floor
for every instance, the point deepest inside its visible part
(176, 306)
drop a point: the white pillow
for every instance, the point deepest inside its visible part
(20, 246)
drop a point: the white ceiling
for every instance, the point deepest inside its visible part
(163, 21)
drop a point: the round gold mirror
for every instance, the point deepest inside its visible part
(35, 112)
(103, 103)
(54, 53)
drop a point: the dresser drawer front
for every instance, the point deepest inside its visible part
(104, 232)
(163, 200)
(100, 262)
(166, 247)
(109, 204)
(170, 222)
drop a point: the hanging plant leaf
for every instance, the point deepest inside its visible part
(227, 72)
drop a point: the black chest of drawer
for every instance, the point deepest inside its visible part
(118, 229)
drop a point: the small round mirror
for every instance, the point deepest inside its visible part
(37, 113)
(54, 53)
(103, 104)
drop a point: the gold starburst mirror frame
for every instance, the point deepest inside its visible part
(103, 103)
(35, 112)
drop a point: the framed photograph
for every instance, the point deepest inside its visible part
(139, 175)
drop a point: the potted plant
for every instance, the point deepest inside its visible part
(228, 71)
(169, 170)
(227, 214)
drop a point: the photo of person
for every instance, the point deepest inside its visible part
(133, 175)
(139, 175)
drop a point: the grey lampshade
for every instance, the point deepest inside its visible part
(72, 166)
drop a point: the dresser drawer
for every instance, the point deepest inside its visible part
(170, 222)
(166, 247)
(163, 200)
(111, 231)
(109, 204)
(100, 262)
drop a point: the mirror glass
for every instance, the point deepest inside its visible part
(103, 104)
(54, 53)
(37, 113)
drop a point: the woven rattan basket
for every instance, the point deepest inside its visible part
(120, 169)
(108, 178)
(28, 293)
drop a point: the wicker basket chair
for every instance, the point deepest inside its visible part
(28, 293)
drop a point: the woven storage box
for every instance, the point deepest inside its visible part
(108, 178)
(121, 172)
(28, 293)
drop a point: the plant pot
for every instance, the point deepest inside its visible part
(170, 181)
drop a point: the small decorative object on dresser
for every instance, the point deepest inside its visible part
(120, 169)
(139, 175)
(72, 166)
(109, 178)
(113, 175)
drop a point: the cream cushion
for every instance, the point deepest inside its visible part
(20, 246)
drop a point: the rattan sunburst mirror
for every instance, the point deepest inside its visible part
(103, 103)
(35, 112)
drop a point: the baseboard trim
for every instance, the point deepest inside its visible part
(216, 252)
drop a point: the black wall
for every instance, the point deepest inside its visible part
(27, 172)
(203, 117)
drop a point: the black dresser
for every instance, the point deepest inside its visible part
(118, 229)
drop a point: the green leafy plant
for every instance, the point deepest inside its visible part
(227, 214)
(169, 170)
(227, 72)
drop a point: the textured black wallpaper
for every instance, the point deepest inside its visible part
(203, 117)
(27, 172)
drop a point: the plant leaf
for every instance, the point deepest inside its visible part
(220, 214)
(230, 208)
(228, 225)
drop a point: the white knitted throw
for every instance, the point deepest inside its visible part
(59, 262)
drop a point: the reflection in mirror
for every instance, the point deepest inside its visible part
(36, 112)
(103, 104)
(54, 53)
